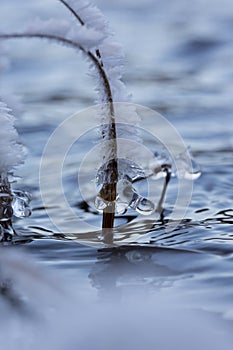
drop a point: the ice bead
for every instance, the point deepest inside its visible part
(127, 197)
(100, 203)
(142, 205)
(20, 204)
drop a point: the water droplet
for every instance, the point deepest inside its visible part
(187, 168)
(191, 176)
(126, 193)
(120, 207)
(20, 204)
(125, 190)
(196, 171)
(126, 169)
(145, 206)
(100, 203)
(142, 205)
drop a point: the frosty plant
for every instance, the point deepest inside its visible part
(12, 154)
(88, 32)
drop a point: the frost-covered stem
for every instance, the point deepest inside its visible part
(111, 176)
(108, 191)
(73, 44)
(109, 188)
(73, 12)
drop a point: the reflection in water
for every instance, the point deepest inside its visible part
(138, 304)
(129, 267)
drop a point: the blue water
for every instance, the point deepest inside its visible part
(179, 63)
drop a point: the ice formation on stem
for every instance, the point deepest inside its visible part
(12, 154)
(88, 32)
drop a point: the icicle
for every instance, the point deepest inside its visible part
(127, 196)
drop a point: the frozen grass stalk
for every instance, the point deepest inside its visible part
(90, 37)
(108, 191)
(89, 33)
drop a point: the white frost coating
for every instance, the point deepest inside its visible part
(12, 153)
(83, 36)
(13, 102)
(92, 33)
(51, 26)
(111, 52)
(86, 37)
(90, 15)
(112, 58)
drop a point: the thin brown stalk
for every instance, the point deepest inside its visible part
(72, 11)
(108, 191)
